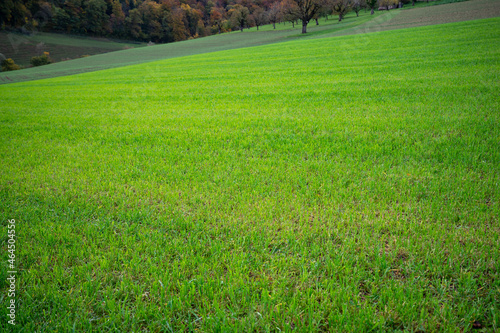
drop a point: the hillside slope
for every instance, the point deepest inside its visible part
(429, 15)
(295, 186)
(474, 9)
(21, 48)
(234, 40)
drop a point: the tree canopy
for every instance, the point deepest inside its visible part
(159, 21)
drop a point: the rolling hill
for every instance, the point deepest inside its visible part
(395, 19)
(22, 47)
(323, 184)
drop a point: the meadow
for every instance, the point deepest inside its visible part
(234, 40)
(334, 184)
(67, 46)
(61, 47)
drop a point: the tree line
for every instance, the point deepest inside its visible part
(163, 21)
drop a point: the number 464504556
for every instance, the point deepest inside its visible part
(11, 234)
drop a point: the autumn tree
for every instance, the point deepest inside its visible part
(307, 9)
(239, 16)
(117, 18)
(290, 11)
(259, 17)
(96, 18)
(178, 27)
(61, 20)
(149, 20)
(217, 18)
(151, 27)
(133, 23)
(357, 5)
(388, 3)
(372, 4)
(13, 12)
(192, 17)
(275, 14)
(325, 10)
(316, 18)
(341, 8)
(70, 17)
(6, 7)
(43, 15)
(205, 7)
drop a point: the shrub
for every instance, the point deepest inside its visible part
(41, 60)
(9, 65)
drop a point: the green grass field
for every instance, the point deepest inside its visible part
(335, 184)
(365, 23)
(250, 37)
(21, 48)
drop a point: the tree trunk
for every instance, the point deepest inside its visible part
(373, 11)
(357, 14)
(317, 23)
(293, 24)
(241, 28)
(274, 25)
(340, 17)
(413, 3)
(304, 27)
(257, 28)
